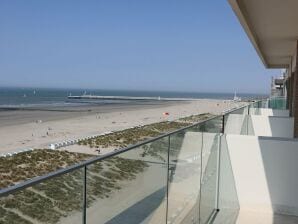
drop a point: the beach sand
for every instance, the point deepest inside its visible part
(37, 128)
(23, 131)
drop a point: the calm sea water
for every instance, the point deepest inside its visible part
(22, 97)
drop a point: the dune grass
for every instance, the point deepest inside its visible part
(51, 200)
(27, 165)
(124, 138)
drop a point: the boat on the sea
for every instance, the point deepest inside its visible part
(236, 98)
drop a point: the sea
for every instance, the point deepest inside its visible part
(39, 97)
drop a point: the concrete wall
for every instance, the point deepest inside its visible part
(265, 172)
(260, 125)
(273, 112)
(228, 198)
(270, 126)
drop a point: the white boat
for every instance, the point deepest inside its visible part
(236, 98)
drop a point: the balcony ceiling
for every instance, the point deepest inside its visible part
(272, 26)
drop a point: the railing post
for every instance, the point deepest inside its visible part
(84, 193)
(218, 173)
(168, 177)
(223, 124)
(201, 177)
(247, 120)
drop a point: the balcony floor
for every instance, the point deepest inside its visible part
(246, 217)
(249, 217)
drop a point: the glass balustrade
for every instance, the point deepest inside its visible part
(181, 177)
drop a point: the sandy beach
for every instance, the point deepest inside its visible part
(37, 128)
(142, 196)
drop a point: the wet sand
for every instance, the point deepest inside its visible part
(17, 116)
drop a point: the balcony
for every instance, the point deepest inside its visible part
(234, 168)
(263, 154)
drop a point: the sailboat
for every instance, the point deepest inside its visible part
(236, 98)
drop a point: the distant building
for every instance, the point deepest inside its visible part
(278, 86)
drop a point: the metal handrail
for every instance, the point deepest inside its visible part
(36, 180)
(278, 97)
(234, 109)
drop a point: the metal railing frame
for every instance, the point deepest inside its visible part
(83, 165)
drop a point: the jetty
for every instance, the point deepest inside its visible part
(94, 97)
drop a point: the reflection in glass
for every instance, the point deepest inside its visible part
(130, 187)
(209, 176)
(236, 122)
(228, 200)
(184, 176)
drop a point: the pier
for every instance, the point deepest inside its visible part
(94, 97)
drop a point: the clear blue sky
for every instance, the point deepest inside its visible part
(193, 45)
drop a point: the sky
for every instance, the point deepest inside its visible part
(168, 45)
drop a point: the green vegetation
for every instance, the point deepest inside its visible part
(11, 217)
(121, 139)
(27, 165)
(106, 176)
(59, 197)
(195, 118)
(49, 201)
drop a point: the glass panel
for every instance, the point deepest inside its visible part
(236, 121)
(212, 126)
(57, 200)
(130, 187)
(184, 176)
(264, 104)
(210, 139)
(254, 108)
(277, 103)
(228, 199)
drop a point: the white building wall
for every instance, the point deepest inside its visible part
(271, 126)
(265, 172)
(274, 112)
